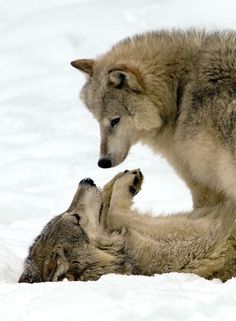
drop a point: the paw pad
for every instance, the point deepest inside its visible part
(137, 182)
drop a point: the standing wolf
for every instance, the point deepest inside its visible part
(176, 92)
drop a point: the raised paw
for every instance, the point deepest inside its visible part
(135, 182)
(125, 187)
(130, 181)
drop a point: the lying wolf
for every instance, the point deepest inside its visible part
(101, 234)
(176, 92)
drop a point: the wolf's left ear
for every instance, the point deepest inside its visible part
(124, 77)
(55, 266)
(85, 65)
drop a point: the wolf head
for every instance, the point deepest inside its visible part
(74, 245)
(126, 96)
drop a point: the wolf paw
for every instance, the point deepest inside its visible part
(133, 180)
(125, 188)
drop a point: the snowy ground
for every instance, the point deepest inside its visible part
(48, 142)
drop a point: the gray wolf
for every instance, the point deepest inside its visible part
(100, 233)
(176, 92)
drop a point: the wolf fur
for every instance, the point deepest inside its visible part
(100, 233)
(176, 92)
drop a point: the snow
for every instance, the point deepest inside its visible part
(114, 297)
(48, 142)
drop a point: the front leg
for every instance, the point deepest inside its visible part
(106, 199)
(108, 189)
(125, 188)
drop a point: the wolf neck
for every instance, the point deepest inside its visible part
(178, 63)
(167, 72)
(111, 255)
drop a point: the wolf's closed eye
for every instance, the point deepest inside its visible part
(77, 218)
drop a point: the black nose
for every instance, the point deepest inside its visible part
(104, 163)
(87, 181)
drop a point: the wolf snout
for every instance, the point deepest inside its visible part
(104, 163)
(87, 181)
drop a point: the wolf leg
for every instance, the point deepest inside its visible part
(108, 189)
(107, 194)
(124, 189)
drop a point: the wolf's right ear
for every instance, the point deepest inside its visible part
(85, 65)
(126, 77)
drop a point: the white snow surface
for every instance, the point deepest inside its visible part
(49, 141)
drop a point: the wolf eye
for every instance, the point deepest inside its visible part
(114, 122)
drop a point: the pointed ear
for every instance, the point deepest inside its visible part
(55, 266)
(85, 65)
(125, 77)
